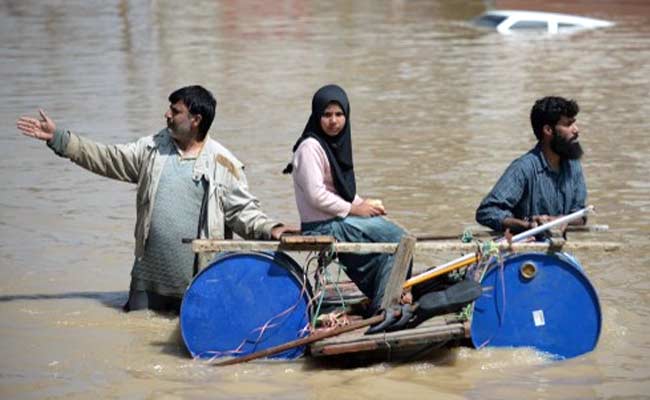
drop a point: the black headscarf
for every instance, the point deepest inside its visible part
(338, 148)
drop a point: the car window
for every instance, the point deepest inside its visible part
(528, 24)
(566, 25)
(489, 21)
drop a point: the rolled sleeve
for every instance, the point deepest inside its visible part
(59, 143)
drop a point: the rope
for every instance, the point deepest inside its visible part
(490, 248)
(261, 330)
(488, 253)
(323, 278)
(501, 314)
(467, 236)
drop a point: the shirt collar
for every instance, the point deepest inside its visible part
(202, 163)
(543, 163)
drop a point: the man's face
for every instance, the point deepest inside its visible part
(179, 120)
(565, 140)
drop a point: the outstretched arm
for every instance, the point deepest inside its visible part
(121, 162)
(42, 128)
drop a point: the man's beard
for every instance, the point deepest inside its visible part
(567, 149)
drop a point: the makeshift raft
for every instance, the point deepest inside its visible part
(214, 328)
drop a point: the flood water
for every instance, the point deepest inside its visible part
(438, 111)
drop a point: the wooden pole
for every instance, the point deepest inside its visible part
(303, 341)
(421, 248)
(401, 262)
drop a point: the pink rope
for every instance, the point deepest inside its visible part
(269, 324)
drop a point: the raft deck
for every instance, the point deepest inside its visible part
(435, 331)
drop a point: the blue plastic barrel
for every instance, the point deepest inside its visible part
(544, 301)
(243, 303)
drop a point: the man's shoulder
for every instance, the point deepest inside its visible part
(213, 147)
(223, 157)
(523, 167)
(157, 139)
(529, 160)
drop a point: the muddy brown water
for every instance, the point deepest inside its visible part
(438, 111)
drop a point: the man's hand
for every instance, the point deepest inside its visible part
(367, 209)
(559, 231)
(282, 229)
(538, 220)
(42, 129)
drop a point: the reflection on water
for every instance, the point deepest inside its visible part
(438, 110)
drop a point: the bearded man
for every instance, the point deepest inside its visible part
(546, 182)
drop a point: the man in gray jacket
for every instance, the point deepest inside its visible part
(188, 185)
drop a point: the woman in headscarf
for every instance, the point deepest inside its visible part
(326, 196)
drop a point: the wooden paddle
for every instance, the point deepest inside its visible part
(303, 341)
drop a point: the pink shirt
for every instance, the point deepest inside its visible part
(316, 197)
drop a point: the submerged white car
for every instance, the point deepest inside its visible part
(510, 21)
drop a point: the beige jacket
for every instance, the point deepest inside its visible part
(230, 204)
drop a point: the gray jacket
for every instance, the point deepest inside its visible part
(230, 204)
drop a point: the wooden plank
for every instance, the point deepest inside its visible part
(401, 262)
(356, 341)
(423, 248)
(300, 239)
(478, 231)
(441, 334)
(348, 289)
(587, 228)
(434, 323)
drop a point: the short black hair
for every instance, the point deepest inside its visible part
(198, 100)
(548, 111)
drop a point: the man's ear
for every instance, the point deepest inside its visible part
(547, 130)
(196, 120)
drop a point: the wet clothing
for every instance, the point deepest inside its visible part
(143, 300)
(530, 187)
(230, 205)
(167, 267)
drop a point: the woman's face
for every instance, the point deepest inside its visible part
(333, 119)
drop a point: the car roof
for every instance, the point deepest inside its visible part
(547, 16)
